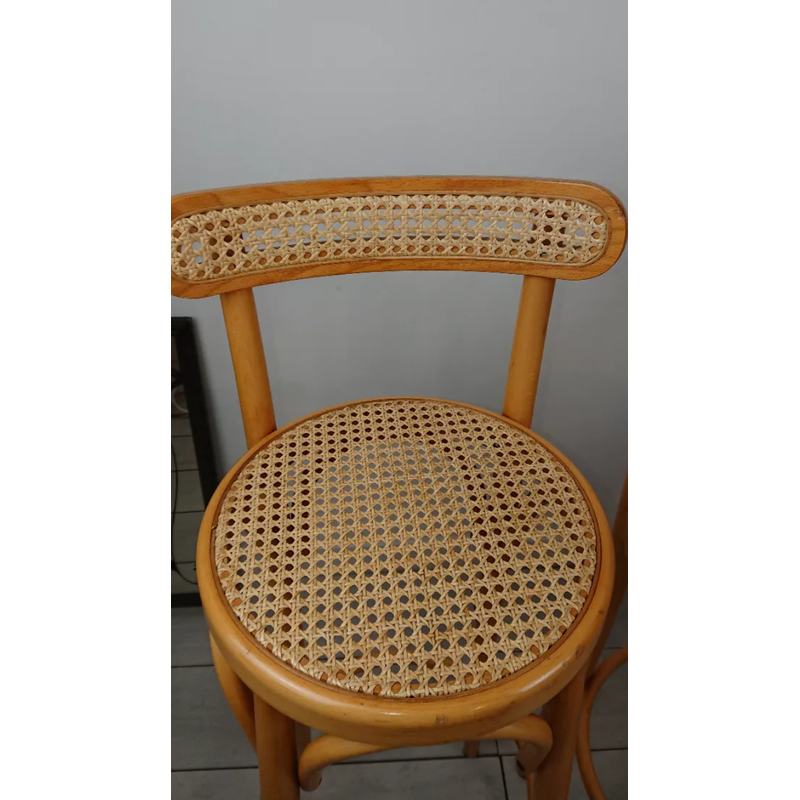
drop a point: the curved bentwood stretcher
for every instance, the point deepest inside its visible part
(400, 571)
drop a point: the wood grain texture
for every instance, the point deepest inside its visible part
(583, 747)
(249, 364)
(620, 534)
(527, 350)
(266, 693)
(302, 737)
(185, 205)
(533, 731)
(397, 722)
(277, 757)
(471, 749)
(238, 695)
(599, 674)
(552, 779)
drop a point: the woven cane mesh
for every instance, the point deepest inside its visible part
(405, 548)
(235, 241)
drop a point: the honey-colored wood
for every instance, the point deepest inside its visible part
(302, 737)
(528, 348)
(236, 692)
(265, 692)
(471, 749)
(620, 533)
(187, 204)
(277, 757)
(249, 364)
(534, 738)
(327, 749)
(551, 780)
(599, 674)
(399, 722)
(529, 756)
(258, 417)
(583, 748)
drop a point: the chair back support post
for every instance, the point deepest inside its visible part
(528, 348)
(249, 364)
(228, 241)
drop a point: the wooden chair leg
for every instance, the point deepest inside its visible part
(532, 731)
(471, 749)
(302, 737)
(528, 759)
(584, 751)
(239, 697)
(620, 576)
(551, 780)
(277, 754)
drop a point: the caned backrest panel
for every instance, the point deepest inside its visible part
(243, 237)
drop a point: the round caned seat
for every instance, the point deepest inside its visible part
(406, 548)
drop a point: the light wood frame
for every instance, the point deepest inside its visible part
(265, 693)
(599, 674)
(187, 204)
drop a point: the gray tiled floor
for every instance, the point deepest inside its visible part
(612, 772)
(212, 760)
(452, 750)
(478, 779)
(205, 734)
(184, 534)
(181, 426)
(184, 455)
(190, 646)
(190, 495)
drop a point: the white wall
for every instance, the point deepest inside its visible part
(266, 91)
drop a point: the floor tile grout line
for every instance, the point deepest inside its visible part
(501, 758)
(212, 769)
(503, 774)
(497, 753)
(352, 763)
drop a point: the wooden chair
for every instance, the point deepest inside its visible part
(401, 571)
(598, 674)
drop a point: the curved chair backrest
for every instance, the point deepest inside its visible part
(239, 238)
(228, 241)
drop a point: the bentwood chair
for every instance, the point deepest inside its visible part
(598, 673)
(400, 571)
